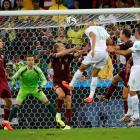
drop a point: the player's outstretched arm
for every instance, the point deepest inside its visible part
(41, 77)
(67, 51)
(120, 52)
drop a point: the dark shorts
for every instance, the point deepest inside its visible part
(5, 93)
(59, 85)
(124, 74)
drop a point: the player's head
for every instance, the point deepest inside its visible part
(58, 47)
(125, 34)
(137, 32)
(35, 4)
(1, 43)
(30, 60)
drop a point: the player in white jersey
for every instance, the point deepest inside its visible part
(98, 37)
(134, 80)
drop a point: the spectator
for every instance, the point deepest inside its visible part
(103, 3)
(83, 4)
(46, 4)
(19, 5)
(36, 5)
(137, 3)
(58, 6)
(75, 35)
(27, 4)
(124, 3)
(6, 5)
(69, 3)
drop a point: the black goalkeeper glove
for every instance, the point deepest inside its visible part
(40, 89)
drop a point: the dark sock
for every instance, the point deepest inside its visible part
(110, 91)
(6, 113)
(51, 108)
(59, 105)
(68, 116)
(13, 112)
(125, 106)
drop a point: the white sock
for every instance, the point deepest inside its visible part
(93, 86)
(76, 77)
(135, 106)
(130, 111)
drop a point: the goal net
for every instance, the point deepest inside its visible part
(37, 31)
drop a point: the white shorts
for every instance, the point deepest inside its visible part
(134, 79)
(99, 59)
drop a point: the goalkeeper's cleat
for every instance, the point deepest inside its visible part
(65, 84)
(125, 118)
(88, 100)
(7, 125)
(58, 120)
(67, 127)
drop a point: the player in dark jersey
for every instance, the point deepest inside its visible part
(61, 60)
(5, 92)
(125, 35)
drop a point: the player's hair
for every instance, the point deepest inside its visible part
(138, 29)
(126, 32)
(30, 55)
(56, 45)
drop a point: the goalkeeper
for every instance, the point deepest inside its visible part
(29, 77)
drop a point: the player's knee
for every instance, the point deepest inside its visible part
(82, 68)
(8, 102)
(68, 102)
(16, 106)
(61, 96)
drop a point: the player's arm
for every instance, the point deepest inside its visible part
(17, 75)
(67, 51)
(120, 52)
(42, 77)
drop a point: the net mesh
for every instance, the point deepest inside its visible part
(38, 34)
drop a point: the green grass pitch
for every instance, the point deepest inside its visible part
(73, 134)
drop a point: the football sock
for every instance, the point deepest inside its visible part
(135, 106)
(93, 86)
(13, 112)
(76, 77)
(129, 112)
(125, 106)
(51, 108)
(59, 103)
(68, 116)
(110, 91)
(6, 113)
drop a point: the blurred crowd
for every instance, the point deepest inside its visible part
(65, 4)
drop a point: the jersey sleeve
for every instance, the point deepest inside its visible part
(52, 57)
(136, 47)
(18, 74)
(41, 77)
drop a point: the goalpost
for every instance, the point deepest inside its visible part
(37, 31)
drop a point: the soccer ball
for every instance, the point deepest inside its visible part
(71, 21)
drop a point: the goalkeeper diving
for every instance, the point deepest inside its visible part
(30, 76)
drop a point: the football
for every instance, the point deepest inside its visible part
(70, 21)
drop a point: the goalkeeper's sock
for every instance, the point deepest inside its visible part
(135, 106)
(76, 77)
(51, 108)
(6, 113)
(93, 86)
(59, 103)
(13, 112)
(110, 91)
(68, 116)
